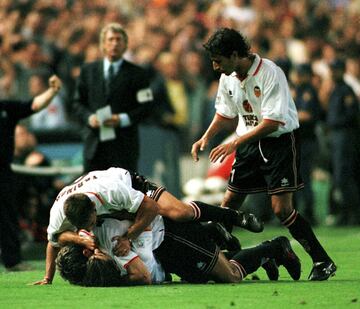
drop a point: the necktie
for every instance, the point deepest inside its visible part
(110, 78)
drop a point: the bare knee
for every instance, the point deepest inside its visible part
(225, 272)
(282, 205)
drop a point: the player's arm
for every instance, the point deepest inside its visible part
(70, 237)
(43, 100)
(137, 273)
(218, 124)
(50, 266)
(145, 214)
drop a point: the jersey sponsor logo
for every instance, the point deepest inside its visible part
(251, 120)
(247, 106)
(230, 93)
(140, 243)
(257, 91)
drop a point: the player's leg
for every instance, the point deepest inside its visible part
(223, 238)
(233, 200)
(244, 179)
(281, 173)
(227, 272)
(173, 208)
(301, 230)
(249, 260)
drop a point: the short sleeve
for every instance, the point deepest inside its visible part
(57, 224)
(275, 100)
(223, 105)
(125, 197)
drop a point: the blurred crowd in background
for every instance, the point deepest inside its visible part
(42, 37)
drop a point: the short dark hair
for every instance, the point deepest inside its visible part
(225, 41)
(78, 209)
(71, 263)
(102, 273)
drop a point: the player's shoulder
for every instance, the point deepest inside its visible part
(267, 67)
(270, 72)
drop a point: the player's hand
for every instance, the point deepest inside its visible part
(200, 145)
(122, 246)
(88, 243)
(112, 122)
(55, 83)
(222, 151)
(45, 281)
(93, 121)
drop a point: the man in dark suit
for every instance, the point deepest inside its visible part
(111, 139)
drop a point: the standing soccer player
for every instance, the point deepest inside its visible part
(254, 99)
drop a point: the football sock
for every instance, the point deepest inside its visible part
(301, 230)
(205, 212)
(249, 260)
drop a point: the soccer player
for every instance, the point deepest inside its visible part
(185, 249)
(117, 189)
(254, 100)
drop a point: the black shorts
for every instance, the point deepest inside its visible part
(270, 165)
(187, 251)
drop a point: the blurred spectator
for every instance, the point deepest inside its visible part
(32, 61)
(352, 74)
(309, 112)
(160, 137)
(33, 194)
(168, 66)
(54, 116)
(343, 123)
(7, 79)
(196, 90)
(278, 53)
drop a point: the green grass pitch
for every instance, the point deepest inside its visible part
(341, 291)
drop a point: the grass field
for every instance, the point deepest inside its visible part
(341, 291)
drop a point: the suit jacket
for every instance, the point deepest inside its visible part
(129, 93)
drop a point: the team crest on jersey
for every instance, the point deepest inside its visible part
(247, 106)
(257, 91)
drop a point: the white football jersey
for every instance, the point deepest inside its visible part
(263, 94)
(141, 247)
(110, 189)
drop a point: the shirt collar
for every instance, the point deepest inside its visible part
(116, 65)
(254, 67)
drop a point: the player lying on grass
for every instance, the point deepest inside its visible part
(117, 189)
(185, 249)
